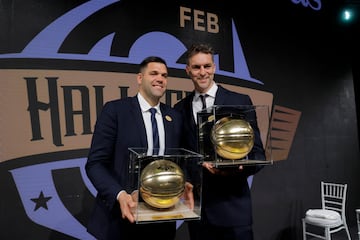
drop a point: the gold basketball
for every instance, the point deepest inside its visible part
(233, 138)
(162, 183)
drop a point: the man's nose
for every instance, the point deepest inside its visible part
(202, 70)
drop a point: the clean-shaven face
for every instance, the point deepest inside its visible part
(201, 70)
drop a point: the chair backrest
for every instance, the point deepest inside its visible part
(333, 197)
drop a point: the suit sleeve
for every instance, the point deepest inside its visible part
(100, 157)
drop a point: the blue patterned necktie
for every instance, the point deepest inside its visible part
(155, 132)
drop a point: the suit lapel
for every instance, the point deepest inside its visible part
(219, 97)
(189, 112)
(136, 114)
(166, 118)
(169, 124)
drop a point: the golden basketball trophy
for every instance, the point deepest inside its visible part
(226, 134)
(162, 182)
(158, 184)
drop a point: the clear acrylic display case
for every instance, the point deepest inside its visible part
(227, 143)
(164, 203)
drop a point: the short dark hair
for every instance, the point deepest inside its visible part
(198, 48)
(151, 59)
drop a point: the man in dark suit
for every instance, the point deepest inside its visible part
(123, 124)
(226, 200)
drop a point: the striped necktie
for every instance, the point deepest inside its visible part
(155, 132)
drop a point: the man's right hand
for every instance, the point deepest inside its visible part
(127, 203)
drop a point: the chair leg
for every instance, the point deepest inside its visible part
(304, 229)
(327, 233)
(347, 231)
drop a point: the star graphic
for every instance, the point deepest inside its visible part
(41, 201)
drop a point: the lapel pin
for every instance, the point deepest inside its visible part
(168, 118)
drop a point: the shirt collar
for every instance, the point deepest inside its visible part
(211, 92)
(144, 105)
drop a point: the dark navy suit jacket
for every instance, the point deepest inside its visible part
(119, 127)
(226, 200)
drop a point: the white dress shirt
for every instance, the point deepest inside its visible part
(145, 107)
(210, 99)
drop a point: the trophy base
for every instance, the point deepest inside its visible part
(179, 212)
(236, 163)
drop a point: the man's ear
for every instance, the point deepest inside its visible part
(139, 78)
(187, 69)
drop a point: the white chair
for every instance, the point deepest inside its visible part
(321, 223)
(357, 211)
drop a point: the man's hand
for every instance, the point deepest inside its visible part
(211, 168)
(189, 195)
(127, 203)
